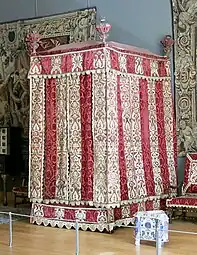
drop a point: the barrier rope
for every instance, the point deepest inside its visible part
(123, 226)
(172, 231)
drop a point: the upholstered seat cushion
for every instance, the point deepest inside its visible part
(20, 190)
(184, 201)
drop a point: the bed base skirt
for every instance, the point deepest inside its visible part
(89, 218)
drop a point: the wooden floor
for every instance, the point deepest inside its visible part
(38, 240)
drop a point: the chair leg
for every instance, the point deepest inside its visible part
(184, 214)
(170, 213)
(15, 200)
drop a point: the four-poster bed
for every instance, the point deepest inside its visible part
(102, 135)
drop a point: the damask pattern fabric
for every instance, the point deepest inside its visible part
(190, 174)
(37, 135)
(90, 217)
(51, 156)
(87, 161)
(107, 129)
(189, 188)
(182, 202)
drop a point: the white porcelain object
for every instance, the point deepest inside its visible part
(151, 226)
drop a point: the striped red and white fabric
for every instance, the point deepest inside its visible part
(190, 174)
(140, 147)
(102, 138)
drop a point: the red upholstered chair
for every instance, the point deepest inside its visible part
(187, 202)
(21, 192)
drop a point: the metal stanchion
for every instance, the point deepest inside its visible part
(157, 237)
(137, 250)
(10, 229)
(77, 238)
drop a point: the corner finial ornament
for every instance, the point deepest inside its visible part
(103, 29)
(167, 43)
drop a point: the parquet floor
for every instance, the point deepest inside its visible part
(37, 240)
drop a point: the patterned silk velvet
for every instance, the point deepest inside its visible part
(102, 133)
(51, 157)
(87, 161)
(189, 189)
(190, 174)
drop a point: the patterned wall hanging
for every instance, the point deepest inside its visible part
(14, 60)
(185, 34)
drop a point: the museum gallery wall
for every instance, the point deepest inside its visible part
(80, 26)
(14, 58)
(185, 34)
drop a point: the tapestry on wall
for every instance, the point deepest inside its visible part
(185, 35)
(14, 59)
